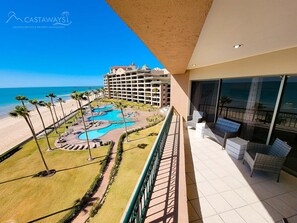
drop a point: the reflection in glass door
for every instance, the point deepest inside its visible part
(251, 102)
(286, 122)
(204, 98)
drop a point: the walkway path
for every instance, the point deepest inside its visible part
(84, 214)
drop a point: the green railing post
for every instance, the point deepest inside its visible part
(137, 207)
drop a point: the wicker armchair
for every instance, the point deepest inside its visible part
(265, 157)
(194, 119)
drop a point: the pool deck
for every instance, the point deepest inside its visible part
(75, 130)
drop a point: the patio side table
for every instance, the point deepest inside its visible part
(236, 147)
(200, 129)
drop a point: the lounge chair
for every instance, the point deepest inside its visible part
(67, 147)
(71, 147)
(269, 158)
(194, 119)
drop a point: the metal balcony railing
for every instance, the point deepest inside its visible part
(138, 205)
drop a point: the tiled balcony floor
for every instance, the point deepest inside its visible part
(220, 189)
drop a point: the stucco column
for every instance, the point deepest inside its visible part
(179, 93)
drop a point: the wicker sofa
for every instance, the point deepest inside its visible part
(269, 158)
(221, 130)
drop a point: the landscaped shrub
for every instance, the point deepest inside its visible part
(155, 118)
(80, 204)
(142, 145)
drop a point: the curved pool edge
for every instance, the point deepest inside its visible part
(93, 130)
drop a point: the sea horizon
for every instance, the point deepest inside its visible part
(8, 101)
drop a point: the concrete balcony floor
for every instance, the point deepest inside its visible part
(220, 189)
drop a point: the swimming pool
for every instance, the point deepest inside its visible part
(104, 108)
(96, 133)
(113, 115)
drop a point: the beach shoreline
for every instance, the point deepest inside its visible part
(15, 130)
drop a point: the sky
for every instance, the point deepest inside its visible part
(64, 43)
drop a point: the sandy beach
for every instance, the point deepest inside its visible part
(15, 130)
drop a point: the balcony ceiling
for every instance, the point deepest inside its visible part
(179, 34)
(261, 26)
(170, 29)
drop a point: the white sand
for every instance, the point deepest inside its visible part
(15, 130)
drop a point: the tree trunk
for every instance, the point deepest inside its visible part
(37, 144)
(91, 110)
(89, 149)
(53, 120)
(77, 105)
(63, 113)
(97, 100)
(125, 124)
(48, 143)
(54, 109)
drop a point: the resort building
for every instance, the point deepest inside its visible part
(235, 60)
(144, 85)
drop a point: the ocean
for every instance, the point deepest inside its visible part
(8, 102)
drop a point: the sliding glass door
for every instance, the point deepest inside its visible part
(251, 102)
(204, 98)
(286, 122)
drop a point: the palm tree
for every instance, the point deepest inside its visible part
(95, 92)
(78, 96)
(224, 100)
(87, 94)
(52, 96)
(98, 91)
(60, 100)
(121, 106)
(49, 106)
(21, 98)
(21, 111)
(73, 92)
(35, 103)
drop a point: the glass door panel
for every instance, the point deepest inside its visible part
(286, 122)
(251, 102)
(204, 97)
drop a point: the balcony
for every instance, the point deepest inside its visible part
(220, 188)
(188, 178)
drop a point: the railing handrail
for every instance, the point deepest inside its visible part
(130, 207)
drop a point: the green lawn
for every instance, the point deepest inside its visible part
(25, 198)
(131, 167)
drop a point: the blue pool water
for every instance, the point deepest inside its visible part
(93, 134)
(105, 108)
(114, 116)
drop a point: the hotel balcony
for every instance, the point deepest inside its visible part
(189, 178)
(219, 55)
